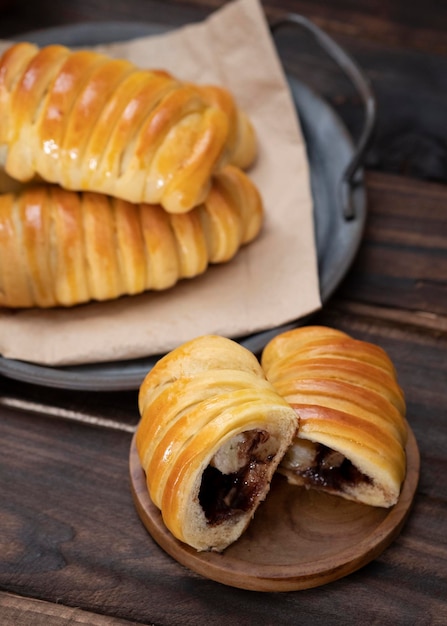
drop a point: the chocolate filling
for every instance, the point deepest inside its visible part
(332, 471)
(223, 496)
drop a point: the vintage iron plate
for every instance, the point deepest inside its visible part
(331, 150)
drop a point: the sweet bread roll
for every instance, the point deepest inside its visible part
(211, 435)
(60, 247)
(352, 434)
(91, 123)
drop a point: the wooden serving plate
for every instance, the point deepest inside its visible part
(298, 538)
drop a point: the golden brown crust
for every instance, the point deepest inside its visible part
(212, 433)
(346, 395)
(58, 247)
(88, 122)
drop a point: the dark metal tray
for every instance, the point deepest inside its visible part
(337, 190)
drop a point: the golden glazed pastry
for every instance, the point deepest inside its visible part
(89, 122)
(211, 435)
(59, 247)
(352, 428)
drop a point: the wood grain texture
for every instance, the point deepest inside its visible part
(118, 409)
(401, 24)
(19, 611)
(398, 24)
(401, 263)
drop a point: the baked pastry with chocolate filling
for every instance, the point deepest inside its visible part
(352, 428)
(211, 435)
(92, 123)
(62, 248)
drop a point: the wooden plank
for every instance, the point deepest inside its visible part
(405, 24)
(409, 25)
(19, 611)
(106, 410)
(23, 16)
(401, 264)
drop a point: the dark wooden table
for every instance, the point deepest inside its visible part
(72, 549)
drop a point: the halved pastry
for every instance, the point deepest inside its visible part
(352, 435)
(211, 435)
(62, 248)
(92, 123)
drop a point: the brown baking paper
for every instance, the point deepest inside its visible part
(271, 281)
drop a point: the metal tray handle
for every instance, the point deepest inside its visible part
(353, 72)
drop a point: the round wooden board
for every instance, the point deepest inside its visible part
(298, 538)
